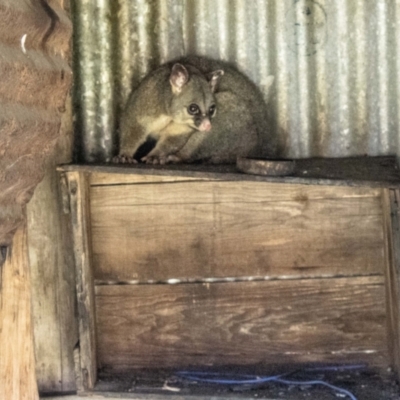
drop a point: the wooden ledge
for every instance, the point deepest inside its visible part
(354, 171)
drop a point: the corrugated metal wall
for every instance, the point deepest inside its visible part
(335, 63)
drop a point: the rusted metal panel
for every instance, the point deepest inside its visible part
(94, 80)
(35, 79)
(335, 63)
(44, 23)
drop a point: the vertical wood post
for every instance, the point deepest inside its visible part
(391, 211)
(80, 216)
(53, 287)
(17, 360)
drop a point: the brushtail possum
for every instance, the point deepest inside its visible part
(197, 109)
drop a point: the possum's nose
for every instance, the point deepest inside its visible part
(205, 125)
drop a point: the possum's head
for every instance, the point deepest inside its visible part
(193, 101)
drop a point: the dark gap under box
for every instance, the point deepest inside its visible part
(198, 267)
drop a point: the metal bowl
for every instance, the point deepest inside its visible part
(265, 167)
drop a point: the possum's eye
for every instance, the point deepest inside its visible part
(193, 109)
(211, 110)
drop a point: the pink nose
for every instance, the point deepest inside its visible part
(205, 126)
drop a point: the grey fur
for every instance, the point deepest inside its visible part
(239, 128)
(158, 108)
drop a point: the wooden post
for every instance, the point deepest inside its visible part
(391, 210)
(80, 216)
(17, 361)
(54, 311)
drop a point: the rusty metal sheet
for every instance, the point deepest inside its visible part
(35, 80)
(336, 63)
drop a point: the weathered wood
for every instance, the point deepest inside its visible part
(150, 396)
(52, 273)
(17, 361)
(242, 323)
(78, 370)
(205, 190)
(99, 179)
(79, 203)
(151, 224)
(196, 230)
(356, 171)
(265, 167)
(64, 193)
(53, 287)
(392, 272)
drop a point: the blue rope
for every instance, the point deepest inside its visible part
(333, 387)
(249, 379)
(215, 377)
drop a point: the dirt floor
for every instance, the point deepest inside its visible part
(361, 383)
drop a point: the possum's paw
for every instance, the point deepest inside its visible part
(122, 159)
(161, 159)
(173, 159)
(154, 160)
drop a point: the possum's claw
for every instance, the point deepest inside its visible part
(154, 160)
(162, 159)
(173, 159)
(122, 159)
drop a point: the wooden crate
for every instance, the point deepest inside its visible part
(206, 266)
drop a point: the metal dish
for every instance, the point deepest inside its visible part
(265, 167)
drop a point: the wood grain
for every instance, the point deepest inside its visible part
(335, 320)
(150, 396)
(391, 200)
(196, 230)
(17, 359)
(352, 171)
(53, 284)
(205, 191)
(79, 203)
(102, 179)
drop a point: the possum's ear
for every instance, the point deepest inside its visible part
(214, 78)
(178, 78)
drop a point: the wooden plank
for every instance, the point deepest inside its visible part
(79, 203)
(392, 272)
(17, 359)
(53, 284)
(196, 230)
(150, 396)
(240, 323)
(354, 171)
(187, 192)
(101, 179)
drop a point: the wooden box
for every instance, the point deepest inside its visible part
(193, 267)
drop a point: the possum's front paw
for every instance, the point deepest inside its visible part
(173, 159)
(162, 159)
(122, 159)
(159, 159)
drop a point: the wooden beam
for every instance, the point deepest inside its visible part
(353, 171)
(104, 179)
(53, 287)
(198, 230)
(150, 396)
(391, 209)
(79, 204)
(242, 323)
(17, 361)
